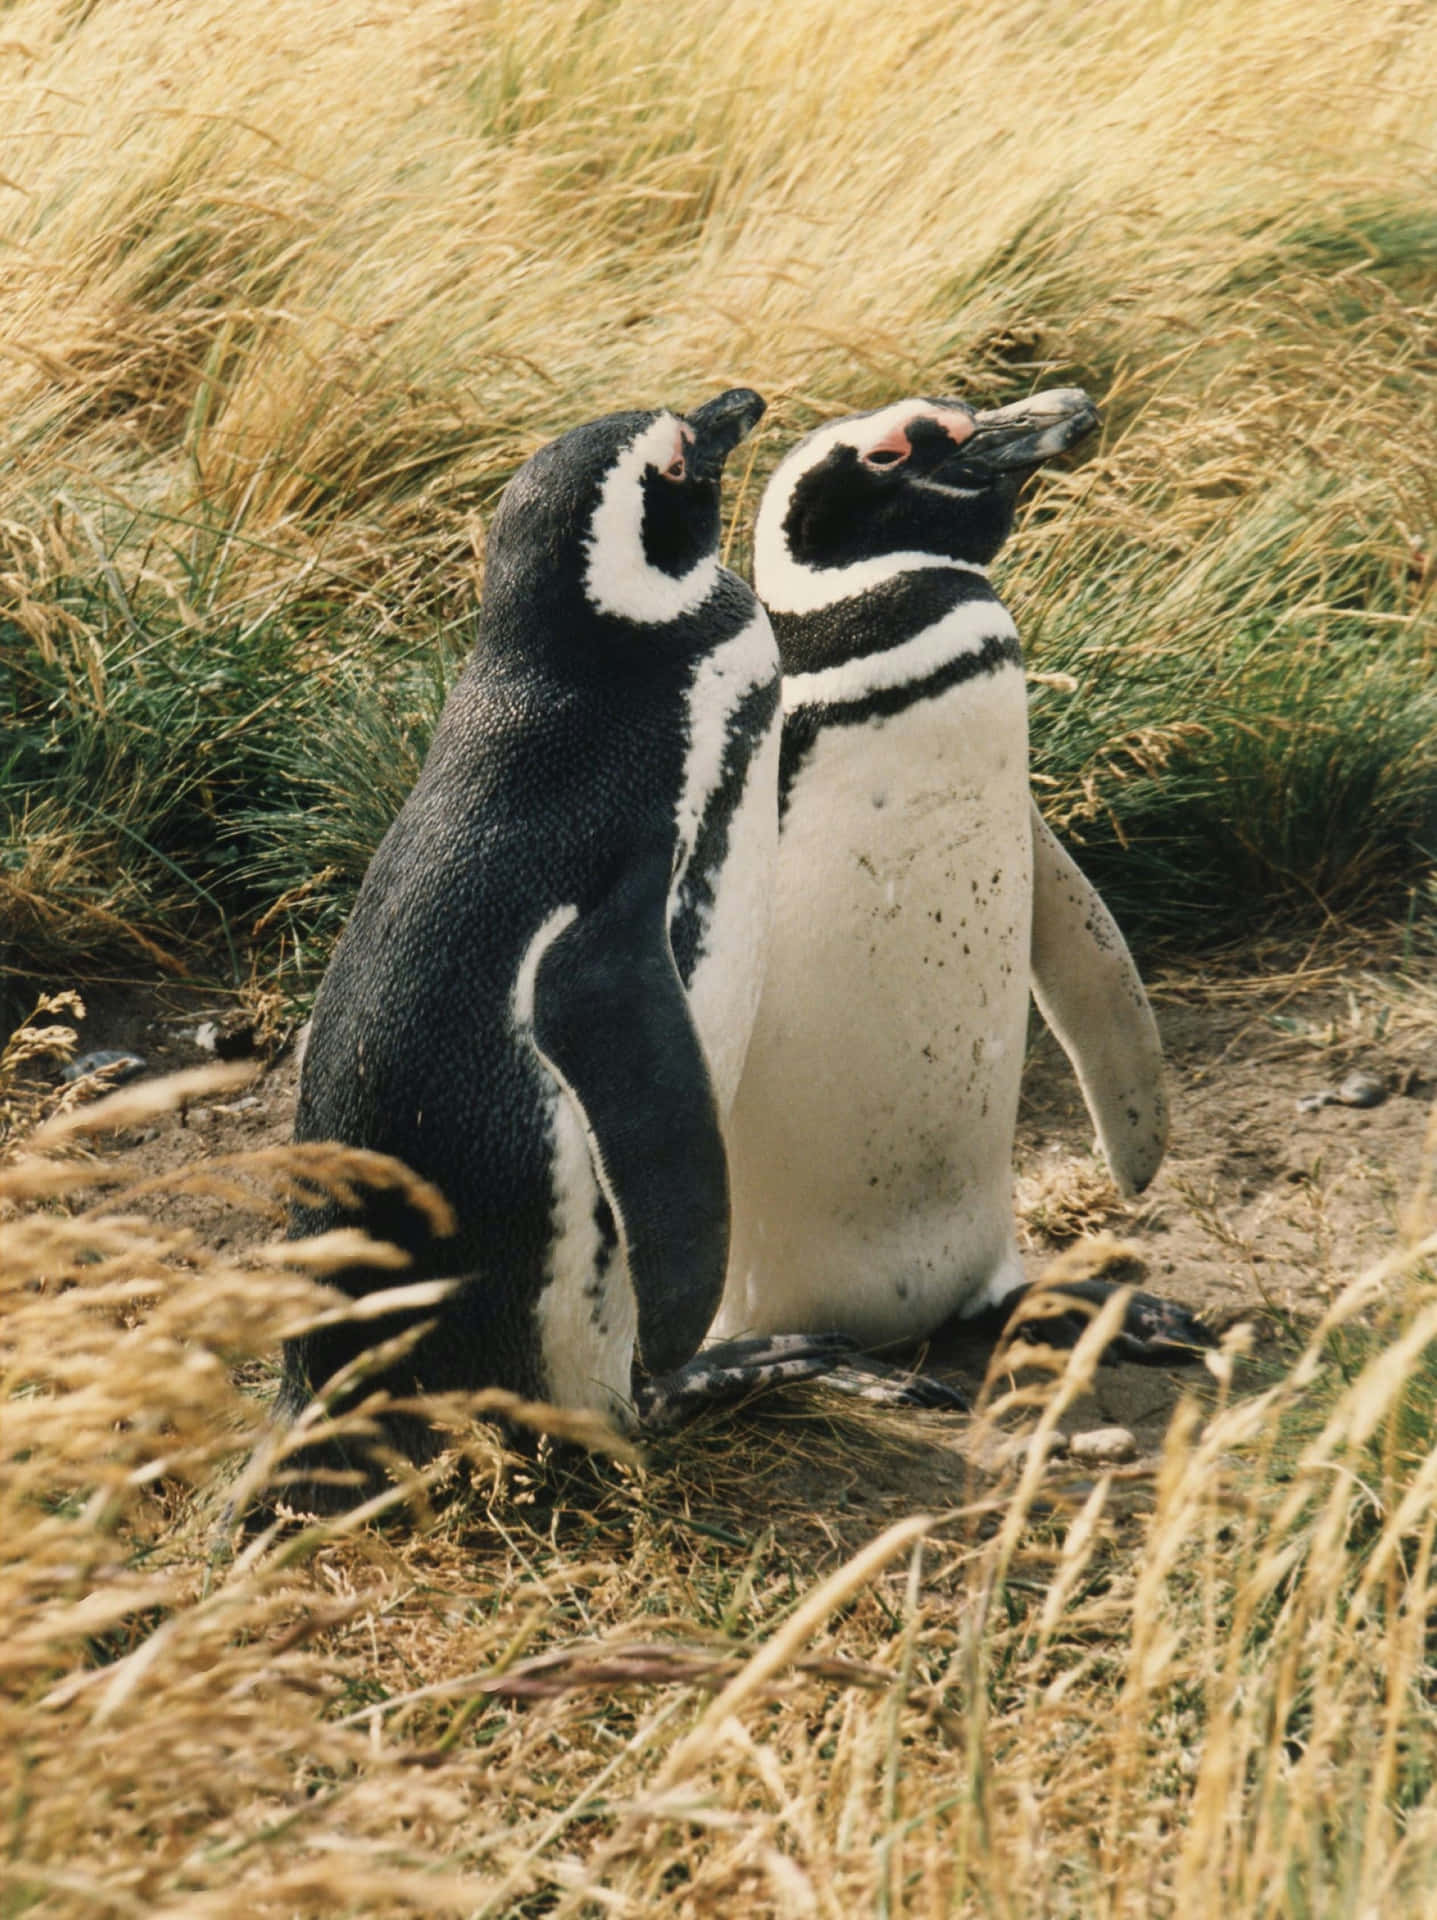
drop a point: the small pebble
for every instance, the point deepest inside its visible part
(199, 1116)
(1107, 1446)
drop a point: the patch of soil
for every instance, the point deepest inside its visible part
(1261, 1210)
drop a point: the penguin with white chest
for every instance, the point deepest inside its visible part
(919, 898)
(542, 998)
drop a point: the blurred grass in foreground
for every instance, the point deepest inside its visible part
(573, 1686)
(289, 291)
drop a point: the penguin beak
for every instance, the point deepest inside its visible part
(1018, 438)
(718, 426)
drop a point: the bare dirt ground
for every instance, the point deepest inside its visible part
(1260, 1213)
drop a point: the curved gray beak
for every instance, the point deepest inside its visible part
(720, 424)
(1030, 431)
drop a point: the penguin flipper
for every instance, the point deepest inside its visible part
(1089, 992)
(611, 1020)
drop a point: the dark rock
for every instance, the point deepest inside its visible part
(115, 1066)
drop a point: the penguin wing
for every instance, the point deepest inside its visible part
(612, 1021)
(1089, 992)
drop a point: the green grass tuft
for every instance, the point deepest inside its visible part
(280, 330)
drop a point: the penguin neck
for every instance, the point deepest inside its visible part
(537, 626)
(792, 586)
(885, 616)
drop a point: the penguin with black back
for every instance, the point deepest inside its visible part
(542, 999)
(920, 896)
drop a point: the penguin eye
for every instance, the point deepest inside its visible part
(883, 457)
(677, 469)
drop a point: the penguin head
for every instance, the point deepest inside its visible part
(627, 507)
(919, 483)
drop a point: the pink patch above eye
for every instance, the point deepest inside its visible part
(896, 442)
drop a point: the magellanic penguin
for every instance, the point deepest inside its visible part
(542, 999)
(919, 897)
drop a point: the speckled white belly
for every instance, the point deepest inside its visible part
(871, 1137)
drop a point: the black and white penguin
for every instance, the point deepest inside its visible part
(542, 999)
(919, 898)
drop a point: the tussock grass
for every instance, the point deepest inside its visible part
(699, 1682)
(291, 290)
(288, 293)
(1253, 650)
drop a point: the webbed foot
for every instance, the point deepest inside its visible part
(729, 1369)
(889, 1386)
(1155, 1331)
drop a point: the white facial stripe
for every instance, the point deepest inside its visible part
(618, 579)
(964, 630)
(722, 679)
(783, 584)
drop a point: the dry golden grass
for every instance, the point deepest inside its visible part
(1066, 1199)
(625, 1687)
(288, 291)
(321, 274)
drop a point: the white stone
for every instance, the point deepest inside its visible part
(1017, 1452)
(1106, 1446)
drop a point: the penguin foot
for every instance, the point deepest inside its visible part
(732, 1368)
(887, 1386)
(1155, 1331)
